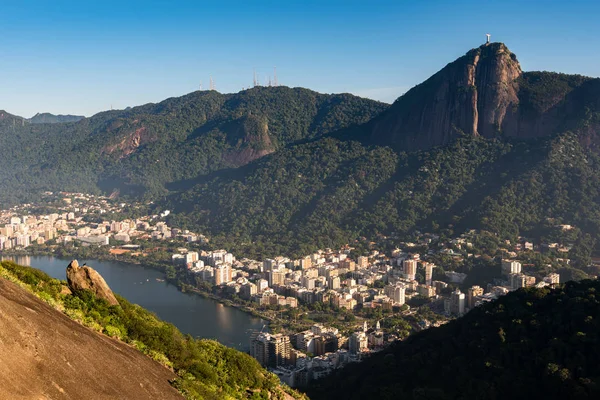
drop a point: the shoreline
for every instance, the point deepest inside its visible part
(184, 288)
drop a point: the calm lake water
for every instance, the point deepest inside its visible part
(192, 314)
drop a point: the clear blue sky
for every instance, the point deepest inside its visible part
(81, 57)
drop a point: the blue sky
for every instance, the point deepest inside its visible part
(82, 57)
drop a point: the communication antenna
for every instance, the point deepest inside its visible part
(275, 83)
(255, 82)
(488, 38)
(200, 85)
(212, 84)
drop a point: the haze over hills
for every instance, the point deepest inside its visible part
(273, 170)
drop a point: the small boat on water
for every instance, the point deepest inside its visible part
(159, 280)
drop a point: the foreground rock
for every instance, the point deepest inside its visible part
(46, 355)
(86, 278)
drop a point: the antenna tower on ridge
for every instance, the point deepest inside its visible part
(275, 83)
(212, 84)
(488, 38)
(255, 82)
(200, 85)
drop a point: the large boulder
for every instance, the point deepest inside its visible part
(86, 278)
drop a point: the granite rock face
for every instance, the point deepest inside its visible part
(474, 95)
(86, 278)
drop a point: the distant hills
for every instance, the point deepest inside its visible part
(47, 118)
(531, 343)
(270, 170)
(139, 150)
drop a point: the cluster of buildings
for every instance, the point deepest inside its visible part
(370, 281)
(298, 359)
(512, 279)
(326, 276)
(21, 229)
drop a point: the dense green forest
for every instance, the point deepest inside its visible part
(205, 368)
(329, 192)
(139, 150)
(531, 343)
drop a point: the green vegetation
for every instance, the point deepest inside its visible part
(532, 343)
(539, 91)
(329, 192)
(140, 150)
(205, 368)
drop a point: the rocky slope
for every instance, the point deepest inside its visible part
(46, 355)
(86, 278)
(485, 93)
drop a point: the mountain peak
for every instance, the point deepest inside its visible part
(471, 95)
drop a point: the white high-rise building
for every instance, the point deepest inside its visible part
(358, 343)
(222, 274)
(428, 272)
(410, 269)
(397, 293)
(510, 267)
(552, 279)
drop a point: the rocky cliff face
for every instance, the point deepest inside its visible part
(46, 355)
(473, 96)
(485, 93)
(86, 278)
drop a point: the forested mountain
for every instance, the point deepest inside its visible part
(139, 150)
(329, 192)
(531, 343)
(501, 150)
(274, 170)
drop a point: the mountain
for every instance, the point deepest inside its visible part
(480, 144)
(59, 344)
(47, 118)
(139, 150)
(485, 93)
(532, 343)
(271, 170)
(45, 354)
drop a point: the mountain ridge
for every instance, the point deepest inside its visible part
(48, 118)
(139, 150)
(485, 93)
